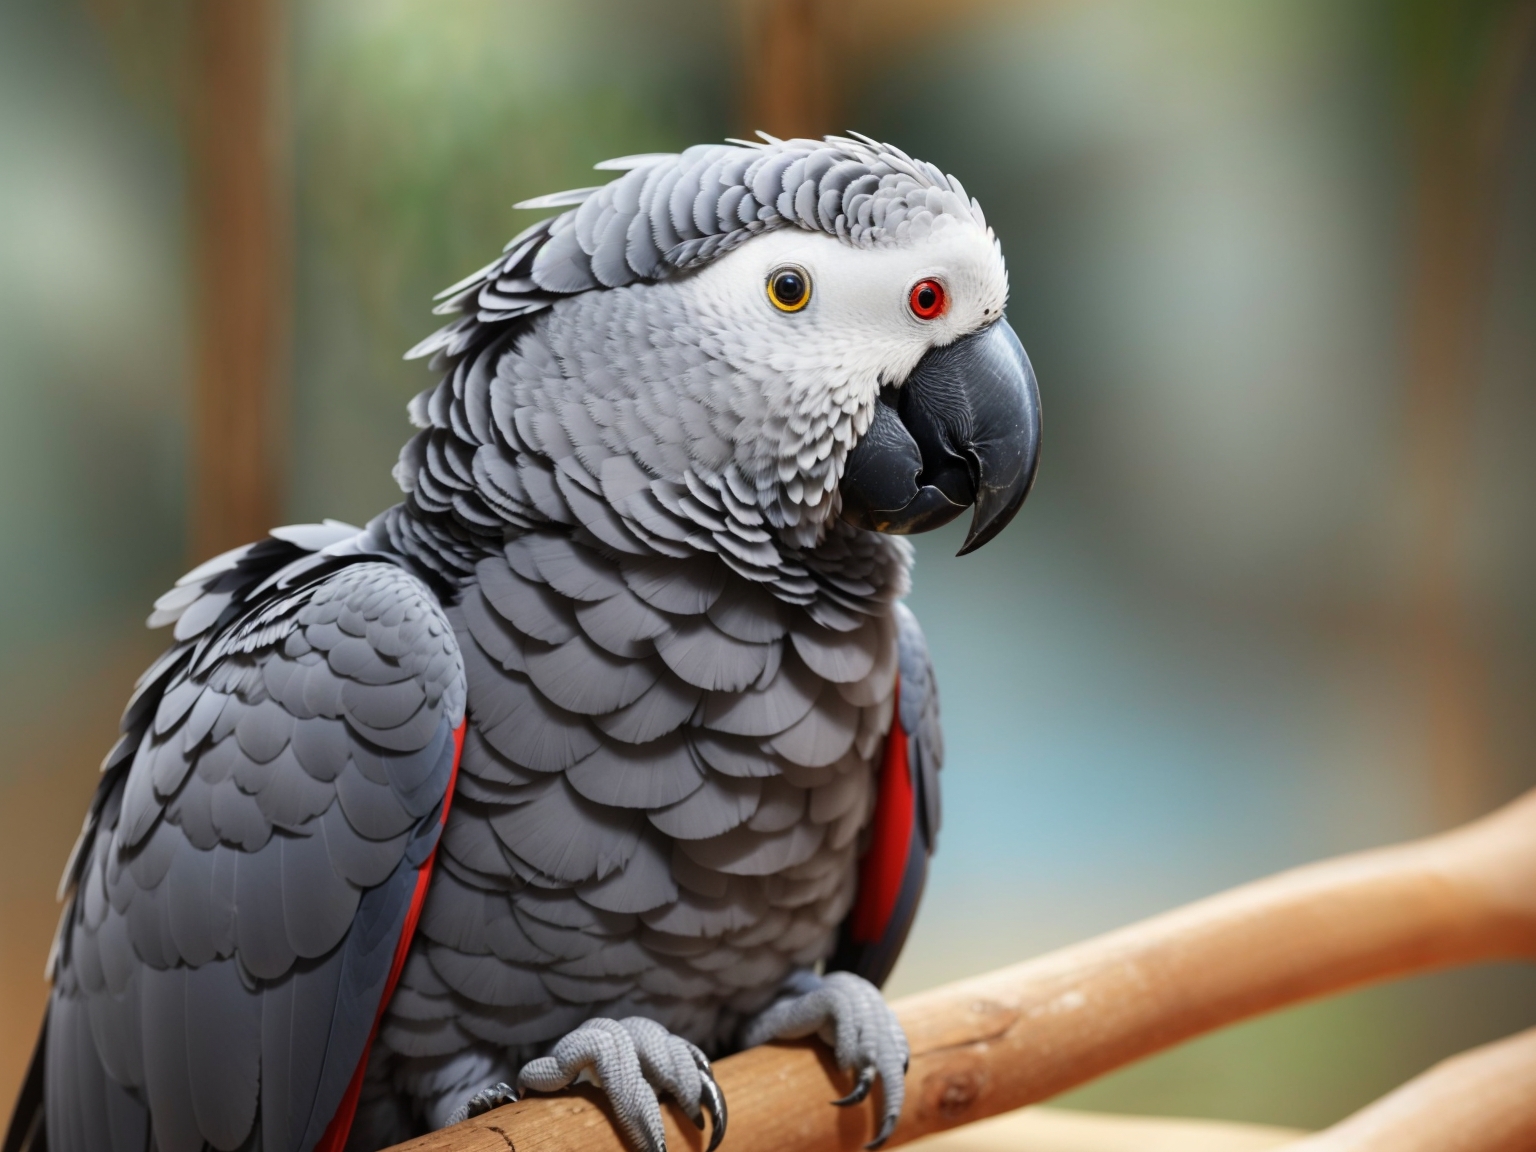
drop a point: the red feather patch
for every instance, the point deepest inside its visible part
(340, 1127)
(885, 863)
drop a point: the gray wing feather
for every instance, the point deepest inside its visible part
(239, 819)
(295, 1027)
(291, 798)
(250, 828)
(167, 1077)
(261, 939)
(354, 857)
(223, 1063)
(320, 745)
(263, 731)
(106, 1116)
(370, 809)
(318, 903)
(200, 891)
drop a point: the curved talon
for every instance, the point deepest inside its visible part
(715, 1102)
(886, 1128)
(848, 1013)
(483, 1101)
(861, 1087)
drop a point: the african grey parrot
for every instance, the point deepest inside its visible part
(586, 755)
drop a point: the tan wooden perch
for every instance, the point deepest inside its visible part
(1025, 1033)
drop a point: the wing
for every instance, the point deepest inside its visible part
(904, 830)
(250, 872)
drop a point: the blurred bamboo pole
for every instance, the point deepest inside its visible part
(1022, 1034)
(241, 270)
(1461, 153)
(790, 46)
(803, 59)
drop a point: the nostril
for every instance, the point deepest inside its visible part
(951, 477)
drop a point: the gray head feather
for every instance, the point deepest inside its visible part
(670, 212)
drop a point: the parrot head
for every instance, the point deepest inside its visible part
(890, 368)
(839, 310)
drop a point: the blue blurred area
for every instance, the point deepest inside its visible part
(1208, 648)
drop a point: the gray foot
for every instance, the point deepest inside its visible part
(849, 1014)
(634, 1061)
(483, 1101)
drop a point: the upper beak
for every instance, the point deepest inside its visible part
(963, 429)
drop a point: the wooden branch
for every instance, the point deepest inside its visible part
(240, 234)
(1480, 1101)
(1022, 1034)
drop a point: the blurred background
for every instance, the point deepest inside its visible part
(1274, 597)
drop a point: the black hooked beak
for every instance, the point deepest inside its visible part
(963, 429)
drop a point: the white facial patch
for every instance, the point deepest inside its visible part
(808, 380)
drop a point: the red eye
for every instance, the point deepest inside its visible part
(927, 299)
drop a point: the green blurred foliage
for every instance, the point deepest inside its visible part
(92, 341)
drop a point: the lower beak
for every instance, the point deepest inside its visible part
(962, 430)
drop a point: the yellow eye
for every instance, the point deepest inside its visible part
(789, 288)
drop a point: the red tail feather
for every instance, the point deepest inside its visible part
(885, 863)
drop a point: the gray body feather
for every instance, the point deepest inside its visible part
(672, 736)
(679, 674)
